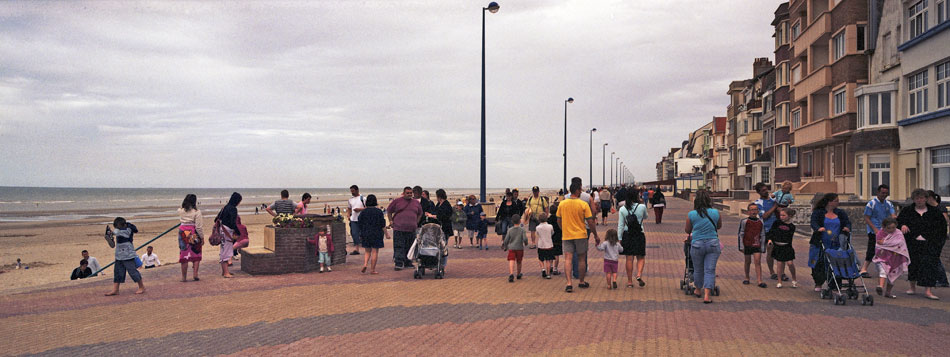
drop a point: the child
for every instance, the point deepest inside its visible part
(545, 245)
(124, 256)
(514, 243)
(752, 242)
(784, 198)
(611, 248)
(890, 256)
(482, 231)
(324, 247)
(780, 236)
(458, 223)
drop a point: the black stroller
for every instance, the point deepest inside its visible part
(842, 269)
(687, 283)
(429, 251)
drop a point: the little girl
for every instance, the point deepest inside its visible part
(611, 248)
(890, 256)
(780, 237)
(324, 247)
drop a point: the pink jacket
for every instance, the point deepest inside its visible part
(315, 242)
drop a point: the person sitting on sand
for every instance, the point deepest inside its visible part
(81, 272)
(93, 262)
(149, 259)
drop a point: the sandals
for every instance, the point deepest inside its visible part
(363, 270)
(569, 289)
(745, 282)
(763, 285)
(640, 281)
(891, 296)
(584, 285)
(932, 297)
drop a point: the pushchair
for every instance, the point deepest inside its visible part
(842, 269)
(429, 251)
(687, 283)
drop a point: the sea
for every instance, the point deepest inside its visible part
(40, 204)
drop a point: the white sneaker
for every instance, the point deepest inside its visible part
(794, 284)
(329, 270)
(778, 286)
(321, 269)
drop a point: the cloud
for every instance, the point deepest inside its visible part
(376, 93)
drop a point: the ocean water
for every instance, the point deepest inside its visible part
(27, 204)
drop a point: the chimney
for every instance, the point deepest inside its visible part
(761, 65)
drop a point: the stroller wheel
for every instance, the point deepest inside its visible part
(715, 291)
(824, 294)
(868, 300)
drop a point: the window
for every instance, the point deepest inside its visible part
(785, 67)
(756, 121)
(940, 160)
(806, 164)
(779, 155)
(796, 30)
(837, 159)
(839, 48)
(861, 38)
(860, 177)
(861, 112)
(780, 115)
(941, 11)
(879, 171)
(943, 85)
(778, 76)
(746, 153)
(841, 104)
(792, 155)
(796, 74)
(745, 126)
(819, 162)
(796, 118)
(875, 109)
(765, 174)
(917, 87)
(917, 18)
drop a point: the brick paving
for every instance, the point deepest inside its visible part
(474, 311)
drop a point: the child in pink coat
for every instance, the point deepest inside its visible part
(324, 247)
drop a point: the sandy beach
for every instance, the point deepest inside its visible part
(53, 249)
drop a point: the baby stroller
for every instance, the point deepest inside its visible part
(429, 251)
(843, 272)
(686, 284)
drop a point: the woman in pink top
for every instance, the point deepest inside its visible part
(302, 205)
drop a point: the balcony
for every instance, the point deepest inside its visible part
(754, 137)
(812, 83)
(812, 33)
(814, 133)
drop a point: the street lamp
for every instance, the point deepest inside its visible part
(590, 182)
(612, 167)
(493, 8)
(618, 170)
(569, 100)
(603, 167)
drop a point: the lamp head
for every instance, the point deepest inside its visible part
(570, 100)
(593, 130)
(605, 144)
(493, 7)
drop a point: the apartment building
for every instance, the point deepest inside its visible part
(827, 66)
(736, 106)
(745, 127)
(718, 173)
(924, 89)
(784, 154)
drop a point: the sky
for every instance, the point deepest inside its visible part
(376, 93)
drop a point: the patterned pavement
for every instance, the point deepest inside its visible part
(474, 311)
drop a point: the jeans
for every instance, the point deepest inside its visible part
(505, 224)
(401, 243)
(705, 253)
(323, 258)
(123, 266)
(355, 232)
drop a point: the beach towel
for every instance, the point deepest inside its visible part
(891, 253)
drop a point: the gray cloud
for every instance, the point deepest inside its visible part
(326, 94)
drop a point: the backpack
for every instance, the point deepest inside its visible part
(633, 223)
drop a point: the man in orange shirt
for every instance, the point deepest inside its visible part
(572, 213)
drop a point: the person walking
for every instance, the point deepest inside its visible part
(702, 224)
(443, 214)
(606, 202)
(658, 201)
(458, 223)
(404, 215)
(473, 214)
(372, 223)
(572, 215)
(502, 217)
(357, 204)
(875, 212)
(190, 236)
(630, 228)
(827, 222)
(228, 217)
(925, 231)
(537, 205)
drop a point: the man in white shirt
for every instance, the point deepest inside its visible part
(357, 205)
(149, 259)
(93, 262)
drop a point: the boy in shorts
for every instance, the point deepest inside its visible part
(515, 241)
(545, 246)
(752, 242)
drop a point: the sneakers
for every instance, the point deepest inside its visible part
(355, 252)
(321, 269)
(329, 270)
(778, 286)
(555, 272)
(774, 277)
(519, 276)
(794, 284)
(511, 278)
(544, 274)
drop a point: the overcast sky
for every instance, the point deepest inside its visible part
(382, 94)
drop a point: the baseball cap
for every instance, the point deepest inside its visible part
(535, 188)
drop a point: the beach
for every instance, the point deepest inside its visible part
(52, 249)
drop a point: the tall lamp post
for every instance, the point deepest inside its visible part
(612, 167)
(618, 170)
(603, 167)
(590, 181)
(569, 100)
(493, 8)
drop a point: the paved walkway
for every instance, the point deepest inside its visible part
(474, 311)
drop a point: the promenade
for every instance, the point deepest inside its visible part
(474, 311)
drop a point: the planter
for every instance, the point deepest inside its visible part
(286, 250)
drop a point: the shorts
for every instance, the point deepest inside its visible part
(516, 255)
(610, 266)
(604, 208)
(747, 250)
(545, 254)
(533, 225)
(571, 246)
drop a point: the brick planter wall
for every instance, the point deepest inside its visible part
(292, 253)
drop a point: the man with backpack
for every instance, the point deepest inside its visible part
(536, 206)
(630, 228)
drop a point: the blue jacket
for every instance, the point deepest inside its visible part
(818, 221)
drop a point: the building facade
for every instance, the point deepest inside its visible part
(784, 154)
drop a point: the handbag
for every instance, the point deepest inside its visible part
(218, 235)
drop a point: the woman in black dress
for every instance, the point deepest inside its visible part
(925, 231)
(372, 223)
